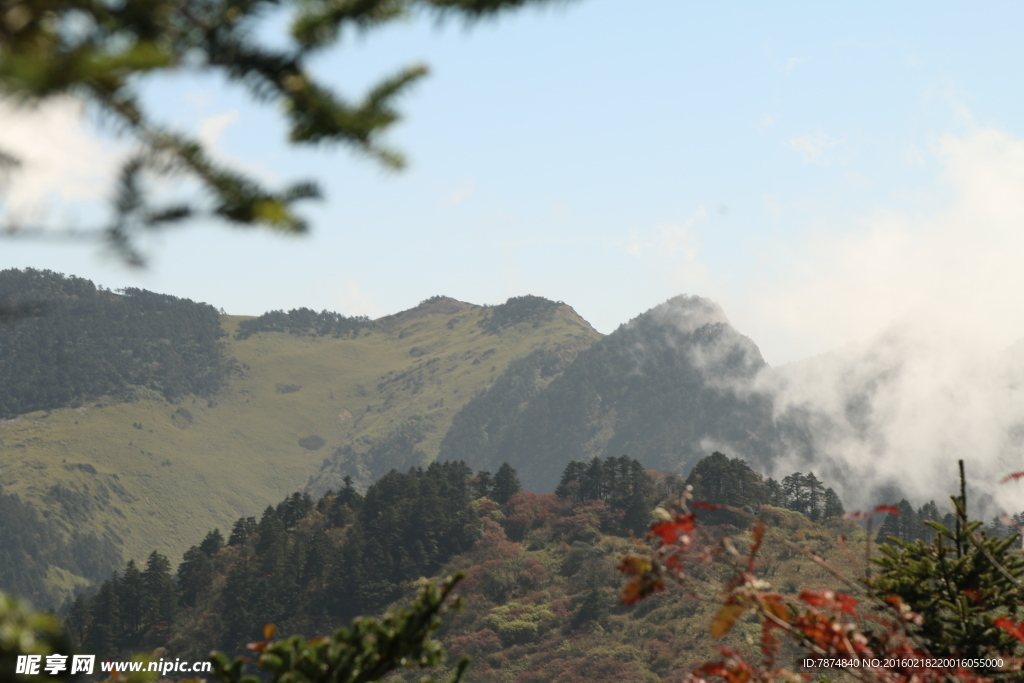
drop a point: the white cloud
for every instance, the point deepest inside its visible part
(66, 163)
(957, 266)
(63, 160)
(922, 304)
(900, 410)
(813, 148)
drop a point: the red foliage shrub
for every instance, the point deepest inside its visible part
(501, 570)
(527, 511)
(476, 645)
(570, 669)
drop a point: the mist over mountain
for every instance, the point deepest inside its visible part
(885, 419)
(890, 417)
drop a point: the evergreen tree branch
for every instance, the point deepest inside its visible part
(97, 51)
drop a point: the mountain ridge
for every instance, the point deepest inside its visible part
(646, 390)
(183, 468)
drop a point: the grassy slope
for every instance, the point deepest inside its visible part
(164, 485)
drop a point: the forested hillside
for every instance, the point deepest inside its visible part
(74, 342)
(41, 560)
(540, 570)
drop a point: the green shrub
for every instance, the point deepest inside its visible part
(312, 442)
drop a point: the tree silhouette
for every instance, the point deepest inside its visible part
(506, 483)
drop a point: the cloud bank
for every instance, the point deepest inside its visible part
(925, 309)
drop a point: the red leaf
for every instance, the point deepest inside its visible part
(818, 599)
(671, 530)
(855, 515)
(711, 669)
(674, 561)
(1011, 477)
(639, 588)
(837, 601)
(891, 509)
(703, 505)
(758, 538)
(632, 565)
(1010, 627)
(725, 618)
(846, 603)
(774, 606)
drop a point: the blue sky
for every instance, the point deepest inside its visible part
(822, 172)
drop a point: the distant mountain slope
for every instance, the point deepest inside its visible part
(73, 341)
(669, 387)
(300, 407)
(404, 423)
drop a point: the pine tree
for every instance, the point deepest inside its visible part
(131, 595)
(572, 479)
(242, 531)
(795, 489)
(960, 584)
(294, 508)
(159, 594)
(774, 493)
(929, 512)
(729, 481)
(483, 484)
(212, 544)
(815, 492)
(77, 620)
(594, 481)
(195, 573)
(240, 623)
(833, 507)
(317, 560)
(506, 483)
(104, 619)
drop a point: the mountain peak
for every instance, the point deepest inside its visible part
(684, 314)
(435, 305)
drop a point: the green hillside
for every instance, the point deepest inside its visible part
(297, 407)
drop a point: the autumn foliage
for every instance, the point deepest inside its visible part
(875, 629)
